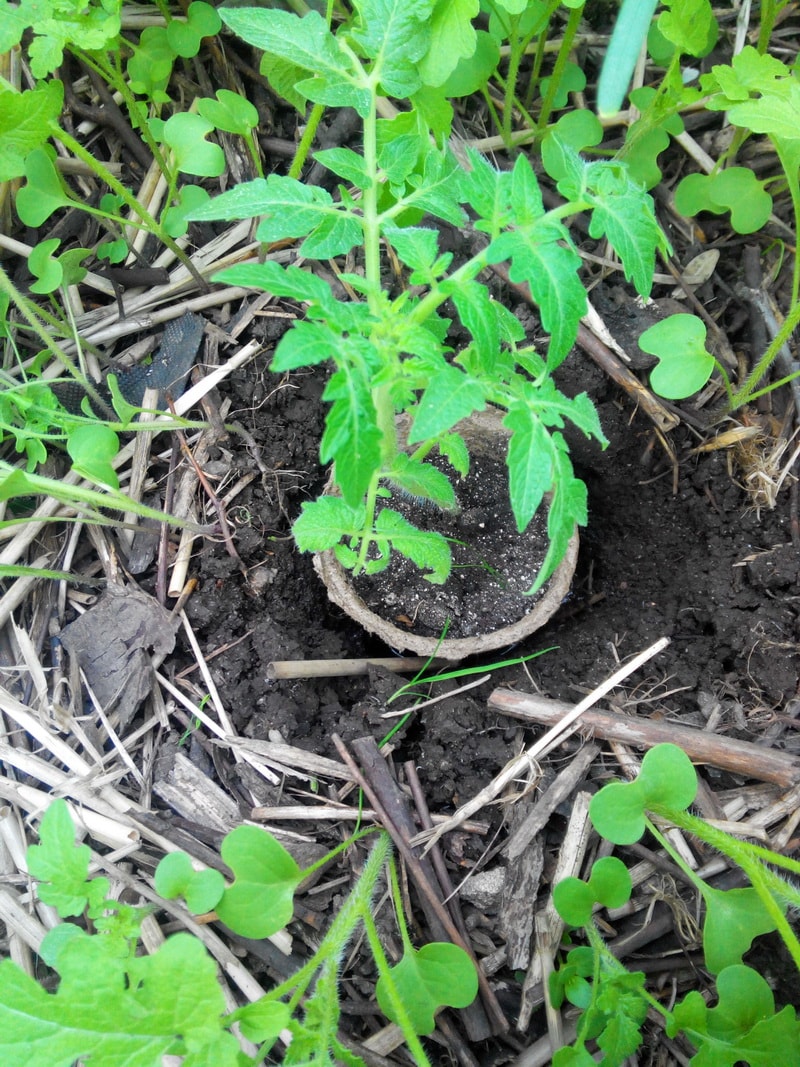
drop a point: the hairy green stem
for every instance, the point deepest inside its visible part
(398, 1007)
(746, 392)
(306, 141)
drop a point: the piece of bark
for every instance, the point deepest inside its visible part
(518, 903)
(113, 643)
(556, 793)
(739, 757)
(179, 783)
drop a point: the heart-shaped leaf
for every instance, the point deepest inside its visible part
(684, 365)
(260, 900)
(43, 192)
(436, 976)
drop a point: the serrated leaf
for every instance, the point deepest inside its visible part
(351, 438)
(395, 34)
(568, 509)
(551, 271)
(425, 548)
(62, 867)
(450, 396)
(437, 975)
(307, 43)
(422, 480)
(452, 37)
(260, 901)
(530, 462)
(417, 246)
(624, 214)
(323, 523)
(478, 313)
(132, 1011)
(335, 235)
(26, 122)
(345, 163)
(438, 190)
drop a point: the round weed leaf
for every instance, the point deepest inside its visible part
(573, 1057)
(230, 112)
(173, 874)
(473, 72)
(260, 900)
(45, 267)
(610, 882)
(739, 191)
(185, 37)
(734, 917)
(263, 1020)
(91, 448)
(176, 217)
(617, 812)
(573, 899)
(684, 365)
(745, 999)
(43, 192)
(437, 975)
(204, 891)
(185, 134)
(667, 777)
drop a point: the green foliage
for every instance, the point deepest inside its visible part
(684, 364)
(735, 189)
(436, 975)
(743, 1026)
(387, 352)
(113, 1006)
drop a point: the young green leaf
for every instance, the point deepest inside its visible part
(451, 395)
(263, 1020)
(735, 189)
(45, 267)
(422, 480)
(452, 37)
(684, 365)
(91, 448)
(306, 43)
(26, 122)
(260, 901)
(230, 111)
(114, 1010)
(742, 1027)
(175, 876)
(734, 918)
(324, 522)
(609, 884)
(43, 192)
(395, 34)
(61, 867)
(551, 270)
(185, 134)
(425, 548)
(666, 780)
(437, 975)
(185, 38)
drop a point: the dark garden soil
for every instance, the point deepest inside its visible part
(682, 552)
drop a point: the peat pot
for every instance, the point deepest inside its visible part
(391, 619)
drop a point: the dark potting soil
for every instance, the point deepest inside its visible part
(700, 565)
(493, 564)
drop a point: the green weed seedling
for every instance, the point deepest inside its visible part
(113, 1005)
(743, 1026)
(389, 352)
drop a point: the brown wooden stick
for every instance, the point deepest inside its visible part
(740, 757)
(369, 754)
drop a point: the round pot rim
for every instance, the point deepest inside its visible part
(340, 590)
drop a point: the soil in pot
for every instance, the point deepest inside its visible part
(493, 564)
